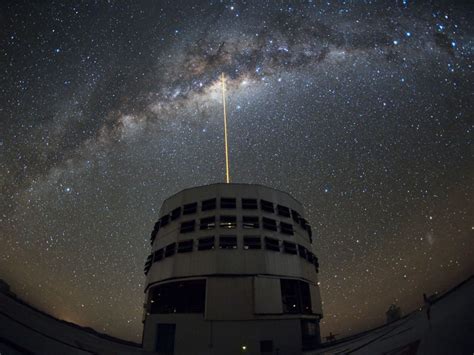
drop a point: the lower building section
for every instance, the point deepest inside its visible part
(181, 334)
(232, 315)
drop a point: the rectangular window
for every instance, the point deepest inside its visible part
(208, 223)
(249, 204)
(302, 251)
(186, 246)
(289, 296)
(164, 220)
(147, 265)
(310, 257)
(158, 255)
(250, 222)
(316, 263)
(296, 216)
(267, 206)
(305, 297)
(170, 249)
(190, 208)
(295, 296)
(272, 244)
(303, 223)
(289, 248)
(178, 297)
(310, 334)
(149, 258)
(269, 224)
(208, 205)
(176, 213)
(206, 243)
(283, 211)
(187, 227)
(286, 228)
(228, 222)
(156, 227)
(153, 235)
(252, 242)
(228, 242)
(310, 232)
(227, 202)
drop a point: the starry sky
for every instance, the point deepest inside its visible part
(362, 110)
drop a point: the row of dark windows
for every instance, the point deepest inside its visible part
(230, 222)
(230, 242)
(231, 203)
(190, 297)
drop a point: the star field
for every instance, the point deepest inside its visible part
(362, 111)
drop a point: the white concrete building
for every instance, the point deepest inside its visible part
(232, 271)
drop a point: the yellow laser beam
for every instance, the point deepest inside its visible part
(227, 174)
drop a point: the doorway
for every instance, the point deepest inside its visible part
(165, 334)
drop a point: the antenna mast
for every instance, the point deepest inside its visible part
(227, 174)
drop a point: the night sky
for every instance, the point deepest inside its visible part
(362, 110)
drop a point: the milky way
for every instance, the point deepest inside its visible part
(361, 110)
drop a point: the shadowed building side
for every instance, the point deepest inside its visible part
(232, 270)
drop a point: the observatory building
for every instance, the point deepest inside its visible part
(232, 271)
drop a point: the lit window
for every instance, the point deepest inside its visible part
(187, 227)
(208, 223)
(269, 224)
(286, 228)
(267, 206)
(228, 222)
(289, 248)
(208, 205)
(227, 202)
(176, 213)
(190, 208)
(206, 243)
(252, 242)
(250, 222)
(272, 244)
(228, 242)
(249, 204)
(170, 249)
(185, 246)
(283, 211)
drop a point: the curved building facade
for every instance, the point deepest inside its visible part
(232, 271)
